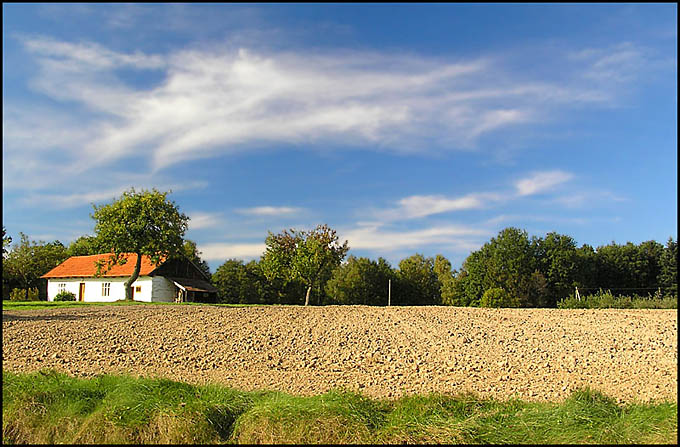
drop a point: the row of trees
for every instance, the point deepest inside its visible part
(512, 269)
(356, 281)
(307, 266)
(26, 262)
(538, 272)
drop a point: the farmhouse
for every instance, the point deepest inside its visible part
(175, 280)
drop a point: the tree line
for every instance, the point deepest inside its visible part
(511, 270)
(312, 267)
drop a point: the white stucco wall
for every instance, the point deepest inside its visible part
(93, 288)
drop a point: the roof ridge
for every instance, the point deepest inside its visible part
(85, 266)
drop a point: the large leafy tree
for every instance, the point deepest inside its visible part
(84, 246)
(453, 290)
(361, 281)
(241, 283)
(307, 256)
(509, 262)
(629, 267)
(143, 223)
(418, 281)
(29, 260)
(648, 265)
(512, 264)
(447, 279)
(586, 267)
(557, 262)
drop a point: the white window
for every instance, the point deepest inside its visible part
(61, 287)
(106, 288)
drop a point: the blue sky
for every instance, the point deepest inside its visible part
(409, 128)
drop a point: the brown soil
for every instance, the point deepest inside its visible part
(533, 354)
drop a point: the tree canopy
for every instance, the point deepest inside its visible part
(144, 223)
(361, 281)
(308, 256)
(29, 260)
(418, 282)
(84, 246)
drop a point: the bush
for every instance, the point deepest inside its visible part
(65, 296)
(498, 297)
(606, 300)
(20, 295)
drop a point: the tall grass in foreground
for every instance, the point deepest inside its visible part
(50, 407)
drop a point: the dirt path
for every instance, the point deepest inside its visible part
(534, 354)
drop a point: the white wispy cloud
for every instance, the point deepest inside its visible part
(199, 220)
(269, 211)
(587, 198)
(87, 56)
(69, 200)
(541, 182)
(214, 101)
(418, 206)
(620, 63)
(376, 237)
(98, 196)
(224, 251)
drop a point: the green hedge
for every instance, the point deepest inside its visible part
(606, 300)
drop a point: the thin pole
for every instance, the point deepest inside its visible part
(389, 292)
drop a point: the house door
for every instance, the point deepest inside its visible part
(81, 293)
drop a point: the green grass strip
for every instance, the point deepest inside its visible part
(28, 305)
(47, 407)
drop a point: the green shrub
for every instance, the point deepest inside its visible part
(602, 300)
(20, 295)
(606, 300)
(65, 296)
(498, 297)
(571, 302)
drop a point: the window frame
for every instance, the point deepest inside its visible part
(106, 289)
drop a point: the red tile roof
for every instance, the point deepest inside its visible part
(84, 266)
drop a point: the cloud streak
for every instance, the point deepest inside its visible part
(199, 220)
(420, 206)
(75, 199)
(375, 237)
(224, 251)
(269, 211)
(541, 182)
(211, 102)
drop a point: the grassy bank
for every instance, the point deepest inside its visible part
(49, 407)
(27, 305)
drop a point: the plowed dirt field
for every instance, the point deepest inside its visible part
(533, 354)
